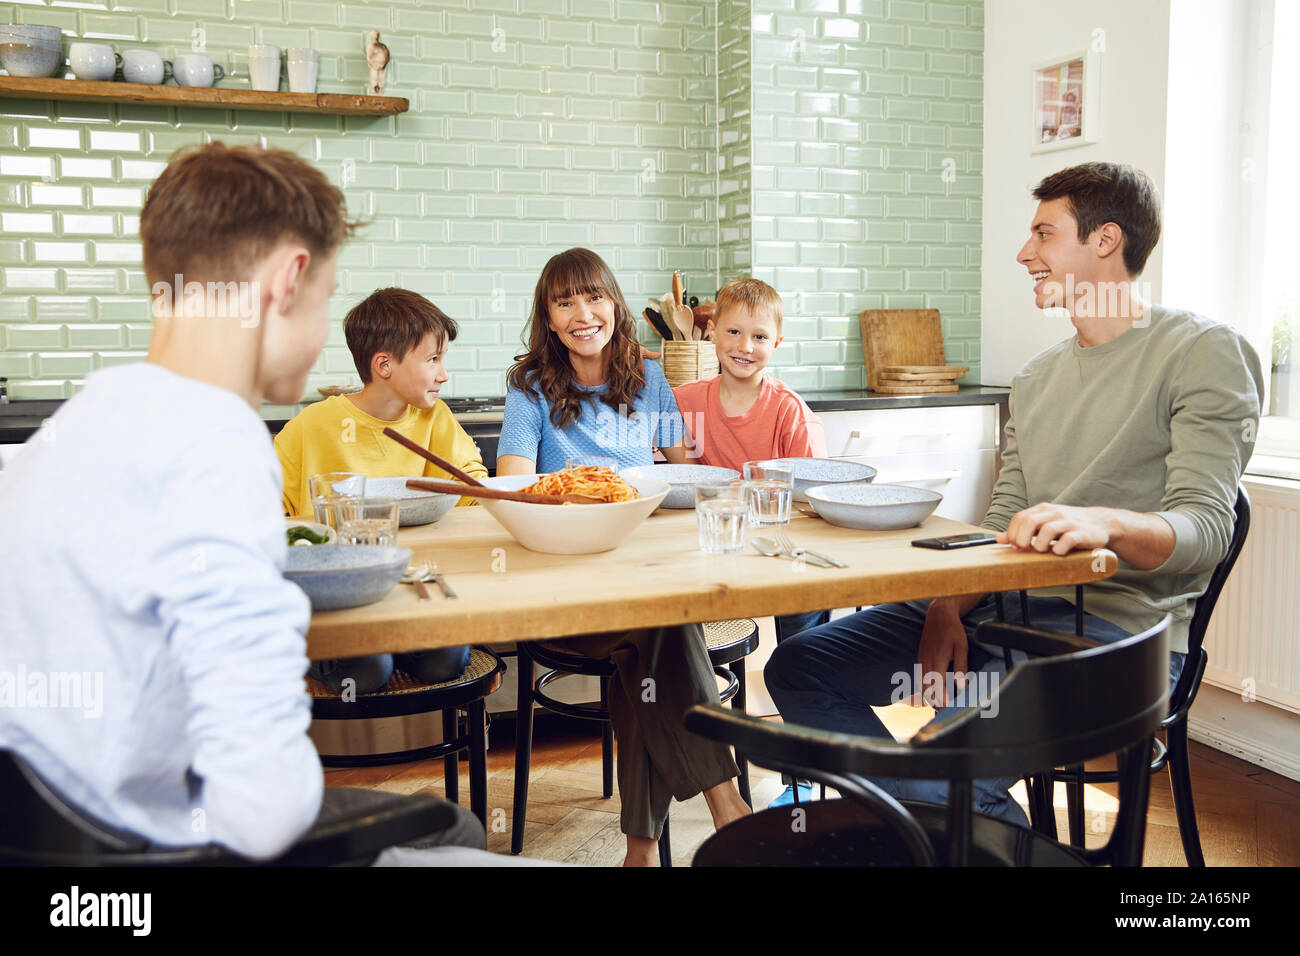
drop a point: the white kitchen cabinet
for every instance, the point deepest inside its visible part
(951, 449)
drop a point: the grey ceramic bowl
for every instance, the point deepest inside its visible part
(30, 56)
(34, 33)
(349, 576)
(682, 479)
(873, 507)
(810, 472)
(413, 507)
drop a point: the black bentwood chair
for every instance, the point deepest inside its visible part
(1039, 723)
(40, 828)
(726, 642)
(403, 696)
(1174, 754)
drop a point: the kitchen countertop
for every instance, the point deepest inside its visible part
(859, 399)
(20, 419)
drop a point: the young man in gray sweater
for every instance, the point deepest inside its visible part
(1132, 435)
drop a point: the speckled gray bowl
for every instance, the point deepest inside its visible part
(413, 507)
(810, 472)
(682, 479)
(346, 576)
(33, 31)
(29, 56)
(873, 507)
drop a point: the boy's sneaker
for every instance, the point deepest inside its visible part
(787, 795)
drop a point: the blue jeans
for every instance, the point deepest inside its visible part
(373, 671)
(788, 625)
(831, 676)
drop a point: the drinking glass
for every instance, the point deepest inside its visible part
(330, 490)
(369, 521)
(587, 461)
(771, 493)
(721, 513)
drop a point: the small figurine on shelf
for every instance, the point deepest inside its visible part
(377, 59)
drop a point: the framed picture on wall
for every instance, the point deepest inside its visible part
(1066, 102)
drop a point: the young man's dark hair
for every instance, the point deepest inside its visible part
(393, 321)
(1099, 193)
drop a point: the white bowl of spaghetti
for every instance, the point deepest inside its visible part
(575, 528)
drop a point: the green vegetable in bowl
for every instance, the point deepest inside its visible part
(300, 533)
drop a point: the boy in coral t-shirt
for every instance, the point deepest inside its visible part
(740, 414)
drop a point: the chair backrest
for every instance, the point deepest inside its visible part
(1051, 711)
(38, 825)
(1193, 668)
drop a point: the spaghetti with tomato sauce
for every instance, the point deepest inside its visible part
(590, 480)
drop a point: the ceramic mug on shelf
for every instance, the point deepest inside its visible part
(93, 61)
(304, 65)
(264, 67)
(196, 69)
(144, 66)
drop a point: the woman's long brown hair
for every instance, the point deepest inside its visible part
(546, 367)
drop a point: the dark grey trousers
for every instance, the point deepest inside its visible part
(661, 673)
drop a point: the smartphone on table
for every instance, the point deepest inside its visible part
(956, 541)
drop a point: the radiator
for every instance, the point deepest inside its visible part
(1254, 636)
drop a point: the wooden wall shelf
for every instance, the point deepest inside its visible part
(212, 97)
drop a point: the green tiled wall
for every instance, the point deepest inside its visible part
(735, 91)
(867, 138)
(535, 125)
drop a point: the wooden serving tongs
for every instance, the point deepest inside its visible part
(472, 487)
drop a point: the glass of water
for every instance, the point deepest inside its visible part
(330, 490)
(771, 493)
(369, 521)
(721, 513)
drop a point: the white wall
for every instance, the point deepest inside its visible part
(1134, 71)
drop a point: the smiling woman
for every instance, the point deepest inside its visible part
(582, 387)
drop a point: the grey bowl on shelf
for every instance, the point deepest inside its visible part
(340, 577)
(413, 507)
(810, 472)
(30, 55)
(681, 480)
(869, 507)
(33, 31)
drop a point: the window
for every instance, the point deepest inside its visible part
(1232, 196)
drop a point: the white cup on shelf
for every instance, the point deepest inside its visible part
(93, 61)
(144, 66)
(196, 69)
(304, 65)
(264, 67)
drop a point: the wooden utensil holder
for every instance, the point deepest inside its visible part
(689, 361)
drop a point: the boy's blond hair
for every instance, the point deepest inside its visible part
(754, 294)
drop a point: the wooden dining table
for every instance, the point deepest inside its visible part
(659, 576)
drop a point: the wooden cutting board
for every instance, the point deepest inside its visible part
(899, 337)
(919, 372)
(911, 388)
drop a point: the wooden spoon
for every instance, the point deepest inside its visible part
(435, 459)
(682, 317)
(482, 491)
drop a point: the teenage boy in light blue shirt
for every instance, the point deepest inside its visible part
(145, 543)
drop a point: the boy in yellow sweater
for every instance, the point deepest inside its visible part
(398, 341)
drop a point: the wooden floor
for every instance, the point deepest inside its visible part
(1248, 816)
